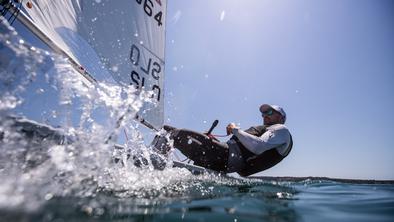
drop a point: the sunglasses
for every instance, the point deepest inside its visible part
(267, 112)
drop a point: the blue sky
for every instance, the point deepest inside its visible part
(330, 64)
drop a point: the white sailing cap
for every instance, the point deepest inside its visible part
(276, 108)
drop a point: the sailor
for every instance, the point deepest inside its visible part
(246, 152)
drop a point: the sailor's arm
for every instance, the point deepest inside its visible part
(257, 145)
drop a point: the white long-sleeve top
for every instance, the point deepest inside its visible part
(276, 137)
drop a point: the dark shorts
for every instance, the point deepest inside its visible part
(200, 148)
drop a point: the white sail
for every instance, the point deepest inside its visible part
(122, 40)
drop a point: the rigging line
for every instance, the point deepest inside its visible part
(125, 133)
(15, 14)
(6, 8)
(184, 160)
(219, 135)
(161, 60)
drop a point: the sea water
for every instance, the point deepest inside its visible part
(79, 181)
(209, 198)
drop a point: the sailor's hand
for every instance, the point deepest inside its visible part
(230, 127)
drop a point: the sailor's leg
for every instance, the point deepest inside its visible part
(161, 144)
(201, 149)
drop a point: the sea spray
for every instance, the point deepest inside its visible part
(36, 168)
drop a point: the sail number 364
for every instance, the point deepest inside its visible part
(148, 8)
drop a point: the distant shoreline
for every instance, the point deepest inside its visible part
(299, 179)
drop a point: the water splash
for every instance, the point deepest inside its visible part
(37, 166)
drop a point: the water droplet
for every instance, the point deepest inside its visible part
(54, 114)
(48, 196)
(114, 68)
(99, 211)
(222, 15)
(40, 91)
(88, 210)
